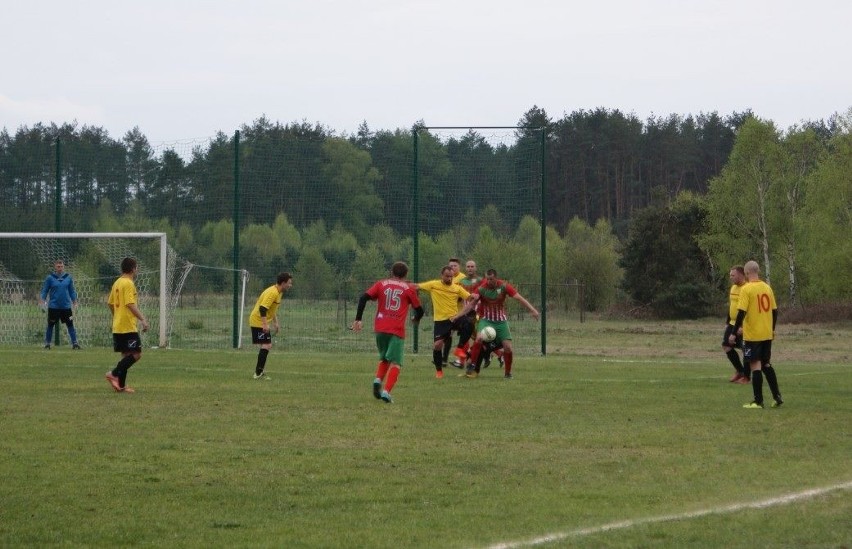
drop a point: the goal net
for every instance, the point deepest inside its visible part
(94, 262)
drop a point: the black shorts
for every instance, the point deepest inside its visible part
(258, 336)
(442, 329)
(60, 315)
(757, 350)
(127, 343)
(726, 342)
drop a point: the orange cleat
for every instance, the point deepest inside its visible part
(439, 374)
(112, 380)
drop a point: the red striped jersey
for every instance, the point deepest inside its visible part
(492, 301)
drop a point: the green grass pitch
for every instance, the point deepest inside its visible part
(613, 443)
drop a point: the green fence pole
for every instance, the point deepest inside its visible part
(236, 287)
(415, 216)
(543, 311)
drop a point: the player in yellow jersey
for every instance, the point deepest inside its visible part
(445, 295)
(742, 374)
(265, 311)
(125, 333)
(757, 314)
(455, 265)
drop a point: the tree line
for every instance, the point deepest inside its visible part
(708, 192)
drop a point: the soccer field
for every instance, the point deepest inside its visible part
(626, 439)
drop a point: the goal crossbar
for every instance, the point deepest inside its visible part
(163, 335)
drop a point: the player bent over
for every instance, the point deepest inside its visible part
(265, 310)
(491, 296)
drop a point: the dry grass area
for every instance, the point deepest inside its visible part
(697, 340)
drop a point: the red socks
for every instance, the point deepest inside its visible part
(393, 374)
(382, 369)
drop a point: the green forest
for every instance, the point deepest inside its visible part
(649, 213)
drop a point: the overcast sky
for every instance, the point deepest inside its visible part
(185, 69)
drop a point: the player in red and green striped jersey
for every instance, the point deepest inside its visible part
(490, 299)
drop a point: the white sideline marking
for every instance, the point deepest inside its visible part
(620, 525)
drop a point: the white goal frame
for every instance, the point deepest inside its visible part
(164, 309)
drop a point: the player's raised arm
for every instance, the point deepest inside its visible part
(533, 311)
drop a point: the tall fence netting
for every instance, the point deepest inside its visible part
(334, 211)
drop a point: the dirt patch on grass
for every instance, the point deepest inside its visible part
(822, 313)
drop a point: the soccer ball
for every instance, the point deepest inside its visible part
(488, 333)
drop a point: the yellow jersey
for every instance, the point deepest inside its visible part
(271, 299)
(122, 294)
(733, 303)
(758, 302)
(445, 298)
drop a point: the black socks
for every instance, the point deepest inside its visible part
(261, 361)
(734, 357)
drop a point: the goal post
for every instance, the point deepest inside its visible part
(50, 252)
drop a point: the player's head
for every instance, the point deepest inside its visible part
(59, 266)
(470, 268)
(751, 268)
(491, 278)
(284, 280)
(447, 275)
(454, 264)
(128, 265)
(737, 275)
(399, 269)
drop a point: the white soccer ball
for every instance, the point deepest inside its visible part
(488, 334)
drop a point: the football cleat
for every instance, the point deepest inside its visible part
(114, 381)
(377, 388)
(752, 406)
(777, 403)
(386, 397)
(439, 374)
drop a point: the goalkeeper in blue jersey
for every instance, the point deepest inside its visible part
(59, 296)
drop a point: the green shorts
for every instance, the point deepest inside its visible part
(391, 348)
(501, 327)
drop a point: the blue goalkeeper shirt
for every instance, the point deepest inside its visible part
(61, 290)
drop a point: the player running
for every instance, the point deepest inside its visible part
(393, 296)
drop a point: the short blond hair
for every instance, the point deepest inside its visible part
(751, 267)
